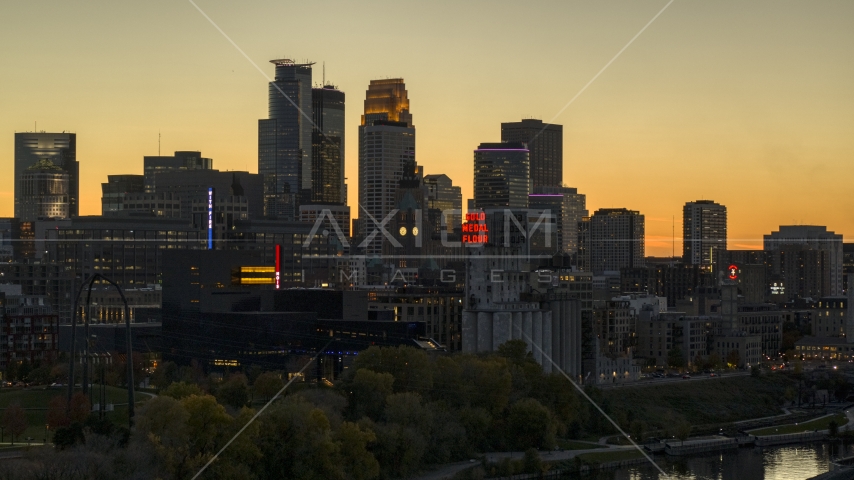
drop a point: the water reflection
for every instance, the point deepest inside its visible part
(796, 462)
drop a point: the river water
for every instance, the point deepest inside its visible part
(796, 462)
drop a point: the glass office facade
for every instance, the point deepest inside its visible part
(501, 175)
(442, 196)
(60, 149)
(44, 193)
(327, 146)
(181, 161)
(703, 232)
(545, 143)
(284, 140)
(113, 192)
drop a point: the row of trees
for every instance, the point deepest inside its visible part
(41, 371)
(45, 372)
(395, 411)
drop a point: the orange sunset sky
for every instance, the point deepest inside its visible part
(749, 103)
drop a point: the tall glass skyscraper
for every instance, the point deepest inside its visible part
(60, 149)
(501, 175)
(284, 140)
(616, 240)
(327, 146)
(703, 232)
(545, 143)
(386, 146)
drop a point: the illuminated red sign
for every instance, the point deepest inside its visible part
(733, 272)
(473, 230)
(278, 265)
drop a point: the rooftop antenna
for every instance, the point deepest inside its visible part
(158, 143)
(324, 73)
(673, 240)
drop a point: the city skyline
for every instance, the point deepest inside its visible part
(664, 118)
(603, 201)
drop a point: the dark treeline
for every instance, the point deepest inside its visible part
(395, 412)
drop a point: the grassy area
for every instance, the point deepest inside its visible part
(576, 445)
(710, 401)
(618, 440)
(610, 456)
(35, 401)
(817, 424)
(7, 448)
(39, 397)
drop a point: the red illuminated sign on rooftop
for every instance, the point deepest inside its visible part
(733, 272)
(473, 230)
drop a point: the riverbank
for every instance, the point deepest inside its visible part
(727, 404)
(604, 456)
(557, 457)
(818, 424)
(726, 400)
(802, 461)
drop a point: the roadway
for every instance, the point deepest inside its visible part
(645, 382)
(448, 471)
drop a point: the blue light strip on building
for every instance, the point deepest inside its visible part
(210, 218)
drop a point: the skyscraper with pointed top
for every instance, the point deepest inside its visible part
(386, 147)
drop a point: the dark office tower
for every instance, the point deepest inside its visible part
(284, 141)
(10, 232)
(501, 175)
(446, 200)
(44, 192)
(568, 206)
(191, 188)
(60, 149)
(113, 192)
(814, 237)
(386, 146)
(327, 146)
(186, 160)
(545, 142)
(848, 271)
(703, 232)
(616, 240)
(584, 255)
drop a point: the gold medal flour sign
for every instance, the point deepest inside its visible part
(474, 231)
